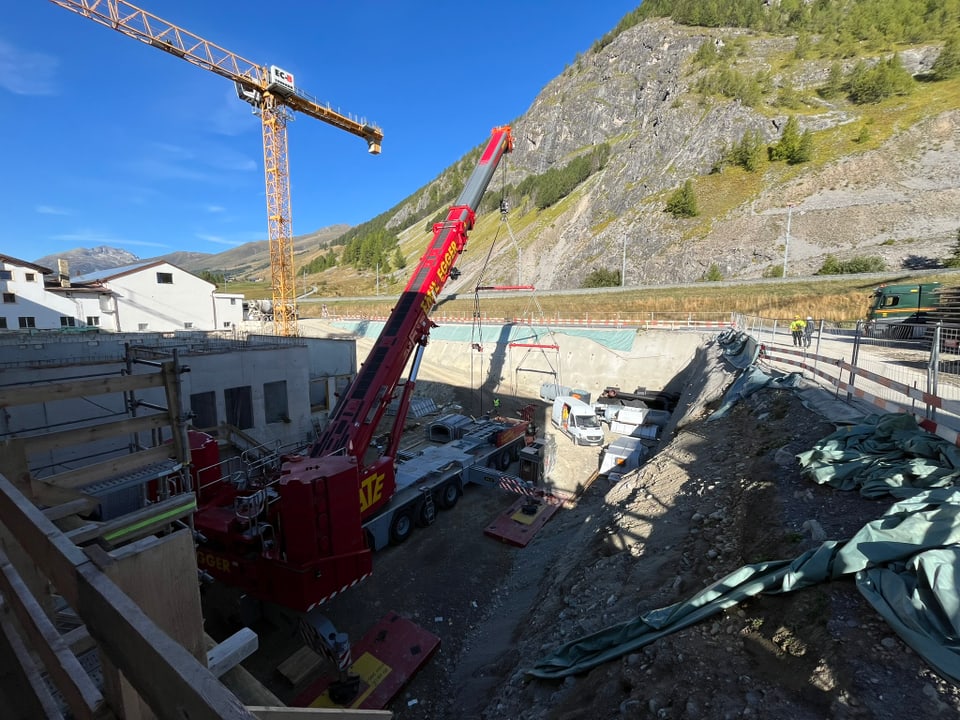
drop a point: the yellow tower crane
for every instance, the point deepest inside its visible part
(272, 93)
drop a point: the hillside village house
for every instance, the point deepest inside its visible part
(152, 296)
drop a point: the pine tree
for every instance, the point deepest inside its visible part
(683, 202)
(947, 64)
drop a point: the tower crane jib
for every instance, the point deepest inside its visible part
(272, 92)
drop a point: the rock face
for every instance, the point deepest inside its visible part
(86, 260)
(897, 197)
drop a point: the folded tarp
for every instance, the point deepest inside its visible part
(738, 348)
(750, 381)
(884, 454)
(906, 564)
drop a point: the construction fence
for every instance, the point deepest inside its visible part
(913, 369)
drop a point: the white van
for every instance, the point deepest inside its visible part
(578, 420)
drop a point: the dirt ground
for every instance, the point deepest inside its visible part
(715, 496)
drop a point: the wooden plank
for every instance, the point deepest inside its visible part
(23, 693)
(43, 494)
(172, 680)
(93, 433)
(139, 523)
(79, 640)
(108, 469)
(63, 510)
(232, 651)
(37, 393)
(79, 691)
(139, 570)
(300, 665)
(284, 713)
(42, 541)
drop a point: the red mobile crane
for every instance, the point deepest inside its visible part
(307, 535)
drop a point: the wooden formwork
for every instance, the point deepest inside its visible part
(130, 582)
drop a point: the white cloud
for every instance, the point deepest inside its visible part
(219, 240)
(50, 210)
(92, 238)
(27, 73)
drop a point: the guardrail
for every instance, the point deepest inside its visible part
(893, 375)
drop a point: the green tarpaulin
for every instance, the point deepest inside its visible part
(906, 564)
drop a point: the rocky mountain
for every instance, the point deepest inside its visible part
(245, 261)
(87, 260)
(884, 179)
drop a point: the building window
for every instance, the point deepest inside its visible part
(275, 407)
(27, 321)
(30, 277)
(204, 407)
(3, 323)
(6, 275)
(165, 278)
(9, 297)
(141, 327)
(187, 325)
(239, 402)
(227, 325)
(67, 321)
(93, 320)
(233, 301)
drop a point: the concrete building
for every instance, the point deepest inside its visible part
(144, 297)
(158, 296)
(28, 305)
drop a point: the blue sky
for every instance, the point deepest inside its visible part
(111, 142)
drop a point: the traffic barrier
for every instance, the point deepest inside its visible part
(924, 413)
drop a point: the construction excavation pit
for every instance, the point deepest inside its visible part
(529, 585)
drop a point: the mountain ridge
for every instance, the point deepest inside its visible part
(884, 179)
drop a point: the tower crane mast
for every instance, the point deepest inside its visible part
(272, 93)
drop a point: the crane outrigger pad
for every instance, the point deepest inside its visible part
(523, 519)
(386, 658)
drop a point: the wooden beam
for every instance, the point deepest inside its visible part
(79, 691)
(40, 393)
(92, 433)
(174, 682)
(137, 524)
(23, 693)
(72, 479)
(79, 640)
(63, 510)
(232, 651)
(282, 713)
(43, 494)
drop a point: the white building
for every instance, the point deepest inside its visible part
(27, 304)
(145, 297)
(158, 296)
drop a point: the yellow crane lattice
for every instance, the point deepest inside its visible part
(273, 93)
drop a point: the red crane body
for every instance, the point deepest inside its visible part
(312, 544)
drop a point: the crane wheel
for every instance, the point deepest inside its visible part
(503, 459)
(402, 526)
(449, 494)
(426, 514)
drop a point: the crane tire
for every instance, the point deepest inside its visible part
(401, 527)
(449, 494)
(503, 459)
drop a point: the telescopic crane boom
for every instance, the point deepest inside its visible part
(272, 93)
(306, 540)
